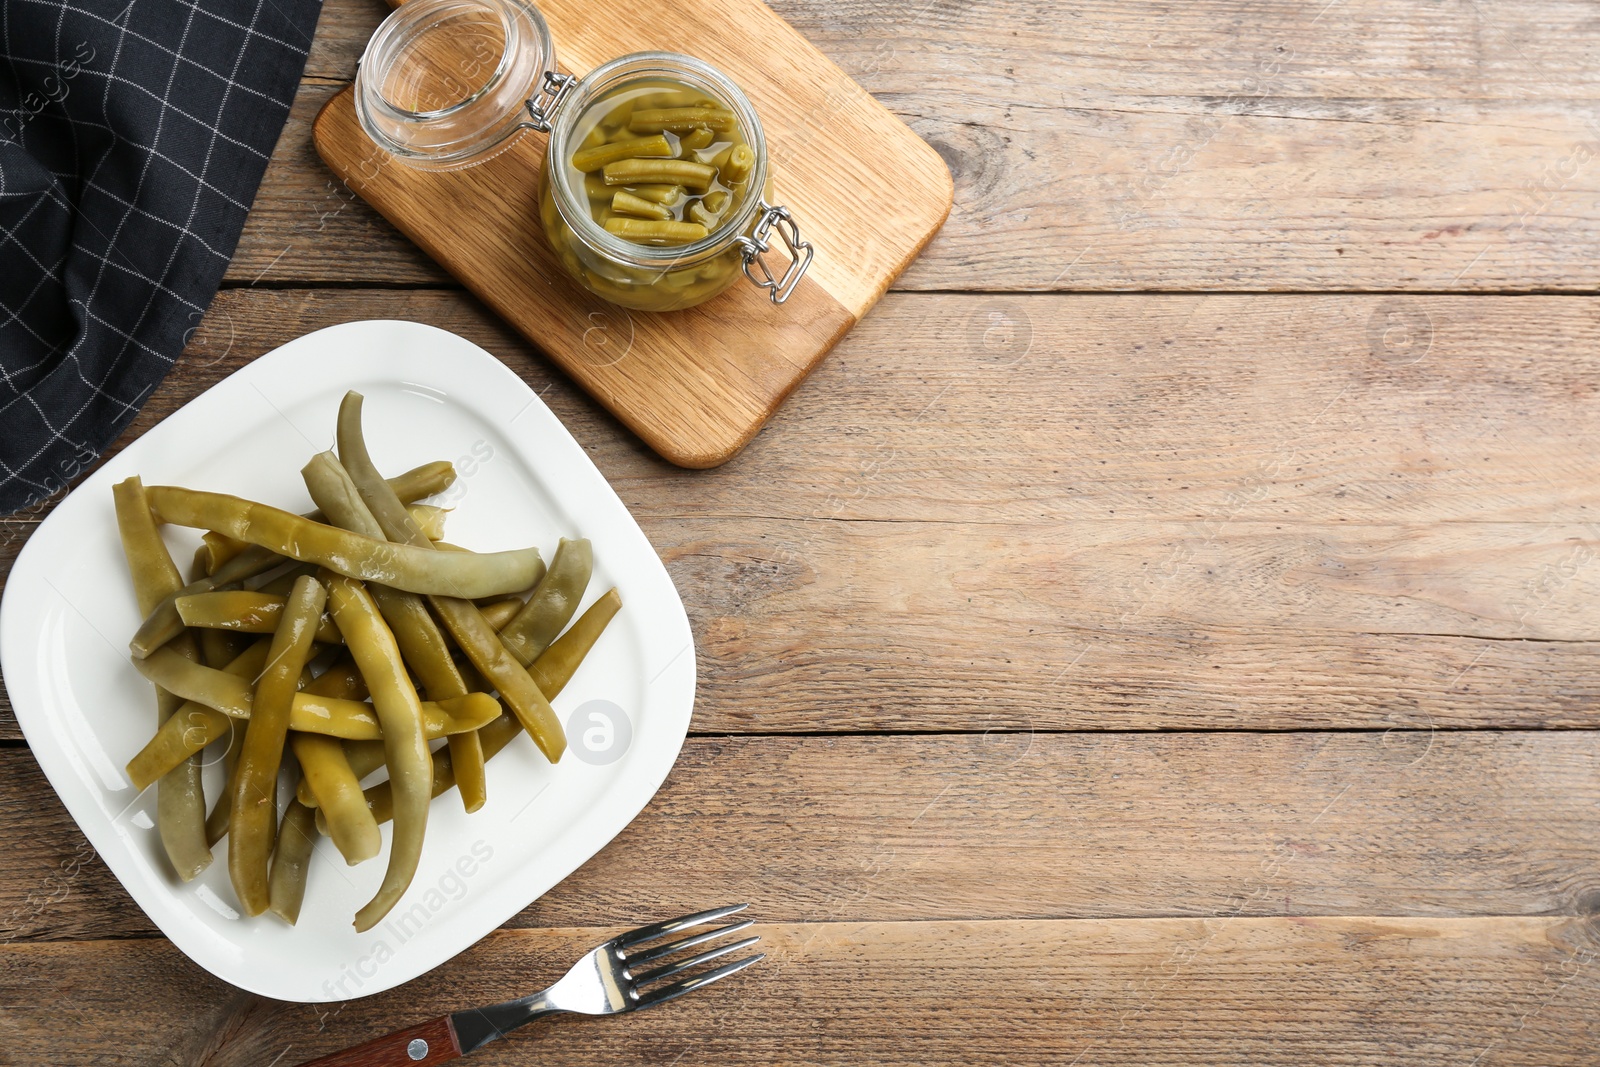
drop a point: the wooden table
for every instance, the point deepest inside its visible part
(1164, 632)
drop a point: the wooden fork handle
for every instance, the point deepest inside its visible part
(430, 1042)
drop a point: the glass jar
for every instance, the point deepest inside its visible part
(448, 84)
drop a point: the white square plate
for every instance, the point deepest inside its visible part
(69, 611)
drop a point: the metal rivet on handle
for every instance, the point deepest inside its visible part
(417, 1049)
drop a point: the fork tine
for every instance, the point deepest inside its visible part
(671, 947)
(678, 968)
(673, 990)
(655, 930)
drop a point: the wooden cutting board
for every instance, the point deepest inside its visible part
(696, 385)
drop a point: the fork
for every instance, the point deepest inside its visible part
(609, 979)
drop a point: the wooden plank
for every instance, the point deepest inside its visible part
(1113, 511)
(1104, 991)
(342, 32)
(1145, 145)
(1344, 410)
(1016, 826)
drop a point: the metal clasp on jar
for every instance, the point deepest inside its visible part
(554, 89)
(755, 245)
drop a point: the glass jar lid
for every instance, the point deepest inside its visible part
(444, 84)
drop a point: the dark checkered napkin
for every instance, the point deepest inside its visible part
(133, 136)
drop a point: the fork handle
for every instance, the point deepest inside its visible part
(431, 1042)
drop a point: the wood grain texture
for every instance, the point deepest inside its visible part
(1016, 826)
(1107, 991)
(1362, 145)
(1114, 512)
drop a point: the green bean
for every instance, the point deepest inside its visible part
(591, 159)
(176, 740)
(364, 757)
(460, 616)
(552, 671)
(379, 798)
(553, 602)
(162, 624)
(404, 748)
(741, 159)
(467, 751)
(244, 612)
(224, 692)
(717, 200)
(500, 612)
(423, 481)
(625, 203)
(446, 546)
(219, 549)
(222, 810)
(421, 644)
(194, 726)
(180, 794)
(490, 601)
(696, 139)
(557, 664)
(665, 195)
(682, 119)
(277, 584)
(247, 564)
(664, 233)
(698, 212)
(252, 824)
(402, 566)
(697, 176)
(219, 649)
(291, 861)
(181, 807)
(343, 679)
(221, 646)
(327, 775)
(180, 800)
(311, 712)
(428, 518)
(499, 668)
